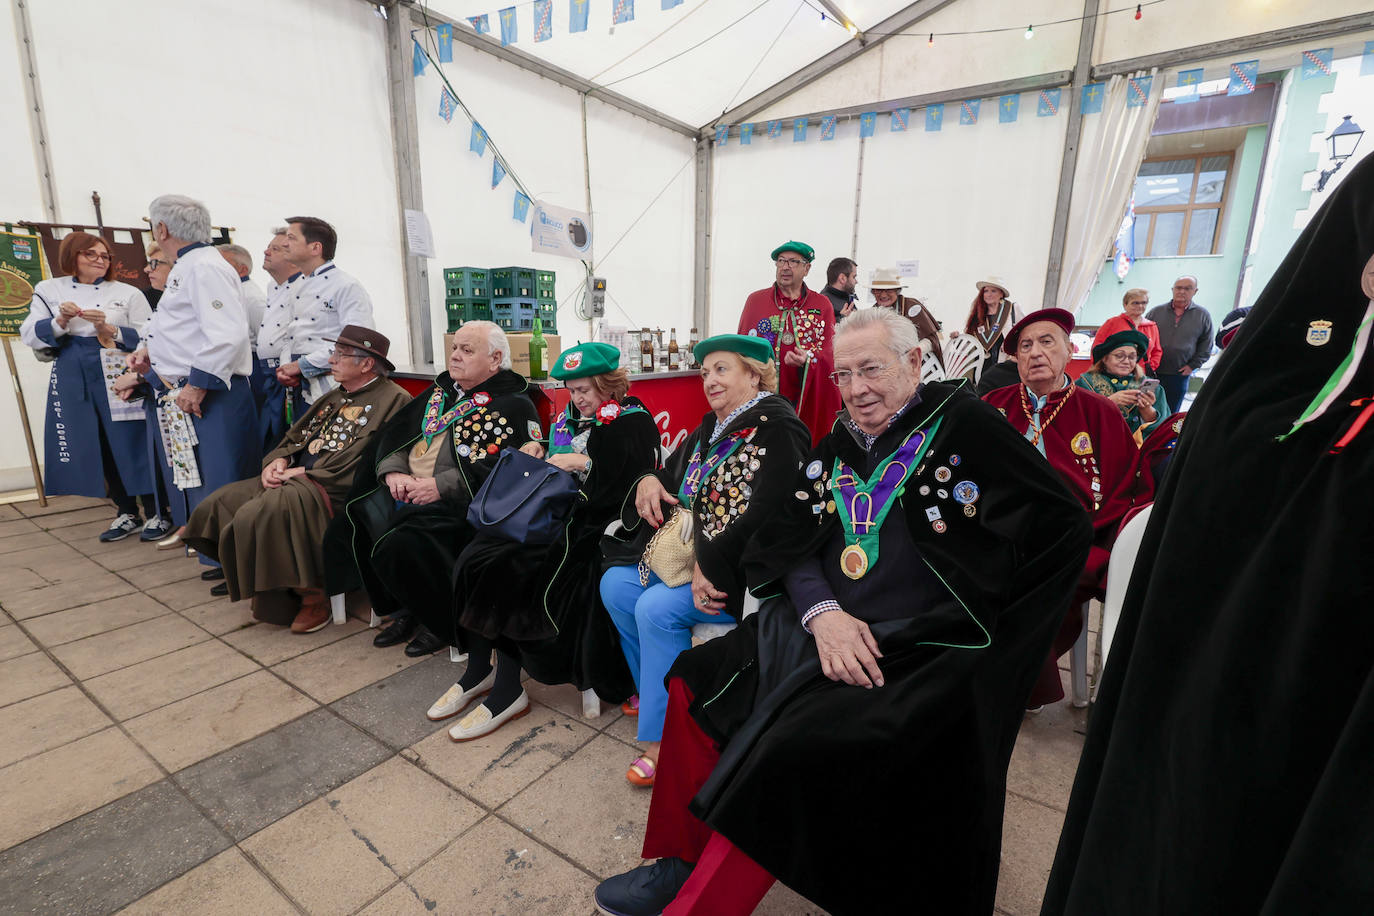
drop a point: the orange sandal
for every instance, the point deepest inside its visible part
(631, 706)
(641, 772)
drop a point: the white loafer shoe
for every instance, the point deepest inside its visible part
(456, 699)
(481, 722)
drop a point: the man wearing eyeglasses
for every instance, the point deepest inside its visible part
(851, 739)
(274, 341)
(1185, 334)
(267, 531)
(800, 325)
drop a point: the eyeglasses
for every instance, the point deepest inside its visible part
(789, 262)
(155, 263)
(93, 255)
(843, 377)
(336, 353)
(1139, 302)
(1127, 357)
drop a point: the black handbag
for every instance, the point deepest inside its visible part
(524, 499)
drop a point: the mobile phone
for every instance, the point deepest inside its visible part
(1149, 385)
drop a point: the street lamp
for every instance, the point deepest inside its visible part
(1343, 141)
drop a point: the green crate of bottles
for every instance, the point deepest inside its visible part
(547, 310)
(544, 284)
(514, 315)
(466, 283)
(512, 282)
(464, 309)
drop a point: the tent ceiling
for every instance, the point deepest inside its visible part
(698, 86)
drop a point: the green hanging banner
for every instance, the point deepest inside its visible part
(22, 267)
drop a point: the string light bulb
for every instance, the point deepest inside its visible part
(931, 43)
(1030, 32)
(1137, 12)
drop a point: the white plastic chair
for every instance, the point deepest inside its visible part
(1124, 554)
(931, 369)
(962, 356)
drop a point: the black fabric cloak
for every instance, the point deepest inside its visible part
(1227, 763)
(404, 556)
(890, 800)
(543, 603)
(737, 497)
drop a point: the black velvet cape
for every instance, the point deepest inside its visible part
(434, 533)
(1227, 767)
(890, 800)
(542, 603)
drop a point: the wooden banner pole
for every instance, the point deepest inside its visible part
(24, 419)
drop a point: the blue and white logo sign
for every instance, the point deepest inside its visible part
(559, 231)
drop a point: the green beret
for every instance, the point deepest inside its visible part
(1122, 339)
(586, 360)
(744, 344)
(801, 248)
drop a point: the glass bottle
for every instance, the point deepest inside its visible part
(539, 352)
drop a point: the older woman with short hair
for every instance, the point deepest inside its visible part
(1117, 373)
(1132, 318)
(72, 319)
(537, 605)
(723, 481)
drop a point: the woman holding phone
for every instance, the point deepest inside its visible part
(1118, 374)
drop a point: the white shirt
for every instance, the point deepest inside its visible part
(322, 302)
(124, 306)
(202, 330)
(254, 305)
(274, 333)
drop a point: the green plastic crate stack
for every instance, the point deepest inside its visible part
(546, 300)
(467, 295)
(512, 283)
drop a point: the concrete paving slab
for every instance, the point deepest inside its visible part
(40, 723)
(604, 832)
(1030, 834)
(260, 781)
(129, 553)
(17, 528)
(186, 593)
(60, 504)
(201, 726)
(393, 709)
(1046, 755)
(90, 588)
(34, 569)
(113, 856)
(95, 519)
(91, 619)
(226, 885)
(96, 655)
(39, 540)
(493, 869)
(140, 688)
(344, 666)
(268, 644)
(219, 617)
(42, 792)
(783, 901)
(493, 768)
(13, 643)
(29, 676)
(161, 572)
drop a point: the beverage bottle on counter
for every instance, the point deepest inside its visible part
(630, 354)
(539, 351)
(660, 351)
(674, 354)
(646, 351)
(692, 349)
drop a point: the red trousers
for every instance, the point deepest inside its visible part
(725, 881)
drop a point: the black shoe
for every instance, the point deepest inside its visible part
(423, 643)
(643, 891)
(210, 575)
(219, 591)
(401, 629)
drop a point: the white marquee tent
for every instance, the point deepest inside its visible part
(270, 108)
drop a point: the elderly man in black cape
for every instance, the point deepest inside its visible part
(1227, 766)
(931, 551)
(408, 507)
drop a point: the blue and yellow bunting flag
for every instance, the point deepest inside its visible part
(1047, 104)
(746, 134)
(1243, 76)
(935, 116)
(775, 128)
(1094, 94)
(1367, 61)
(480, 24)
(509, 32)
(624, 12)
(722, 134)
(1008, 107)
(669, 4)
(968, 111)
(543, 20)
(498, 172)
(901, 117)
(1316, 63)
(867, 121)
(799, 130)
(522, 207)
(418, 61)
(577, 16)
(1188, 80)
(1138, 91)
(828, 127)
(477, 142)
(447, 105)
(445, 33)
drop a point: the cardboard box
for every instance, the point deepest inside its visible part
(519, 351)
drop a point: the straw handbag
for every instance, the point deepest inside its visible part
(670, 554)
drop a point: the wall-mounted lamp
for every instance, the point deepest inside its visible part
(1343, 141)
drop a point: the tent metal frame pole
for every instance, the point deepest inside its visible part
(1270, 128)
(37, 119)
(464, 34)
(903, 19)
(701, 265)
(1299, 34)
(1068, 165)
(406, 152)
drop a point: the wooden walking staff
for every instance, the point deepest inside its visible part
(21, 267)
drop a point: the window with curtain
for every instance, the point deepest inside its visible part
(1179, 203)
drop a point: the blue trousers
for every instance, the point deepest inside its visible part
(655, 624)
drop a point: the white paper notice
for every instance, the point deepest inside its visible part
(419, 238)
(908, 269)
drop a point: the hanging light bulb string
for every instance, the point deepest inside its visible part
(1029, 30)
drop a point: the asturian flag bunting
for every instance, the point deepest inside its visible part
(867, 121)
(901, 117)
(1047, 105)
(1243, 76)
(1189, 80)
(935, 116)
(828, 128)
(445, 33)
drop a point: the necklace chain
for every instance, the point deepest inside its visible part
(1039, 428)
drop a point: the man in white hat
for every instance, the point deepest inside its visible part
(887, 287)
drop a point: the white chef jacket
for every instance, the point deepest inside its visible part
(124, 306)
(202, 329)
(322, 302)
(274, 334)
(254, 305)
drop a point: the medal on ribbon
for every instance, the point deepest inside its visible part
(863, 504)
(698, 470)
(434, 422)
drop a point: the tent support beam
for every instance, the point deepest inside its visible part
(842, 55)
(38, 121)
(410, 196)
(701, 262)
(464, 34)
(1298, 34)
(1068, 165)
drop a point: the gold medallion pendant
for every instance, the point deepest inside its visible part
(853, 561)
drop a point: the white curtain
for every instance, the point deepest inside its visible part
(1111, 148)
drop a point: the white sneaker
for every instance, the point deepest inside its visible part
(481, 722)
(456, 699)
(123, 526)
